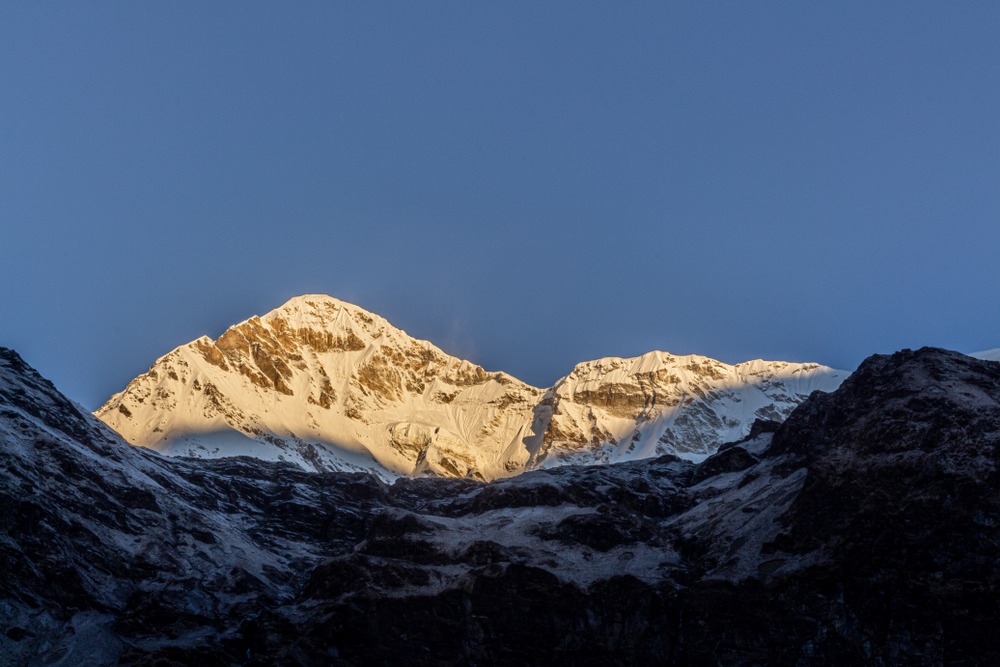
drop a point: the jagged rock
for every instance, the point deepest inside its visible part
(328, 386)
(864, 529)
(619, 409)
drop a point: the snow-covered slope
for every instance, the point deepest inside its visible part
(99, 539)
(863, 529)
(330, 386)
(988, 355)
(327, 385)
(620, 409)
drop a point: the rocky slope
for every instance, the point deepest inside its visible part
(622, 409)
(100, 540)
(329, 386)
(864, 529)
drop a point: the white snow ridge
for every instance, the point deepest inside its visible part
(329, 386)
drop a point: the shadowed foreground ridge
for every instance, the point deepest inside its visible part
(864, 529)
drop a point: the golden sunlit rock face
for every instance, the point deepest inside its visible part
(329, 386)
(322, 377)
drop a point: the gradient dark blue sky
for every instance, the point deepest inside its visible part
(526, 184)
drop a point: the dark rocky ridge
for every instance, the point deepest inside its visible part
(865, 529)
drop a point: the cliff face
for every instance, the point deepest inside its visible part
(864, 529)
(329, 386)
(102, 542)
(619, 409)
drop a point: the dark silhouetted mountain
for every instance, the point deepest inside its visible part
(863, 529)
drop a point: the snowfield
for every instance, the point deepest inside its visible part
(329, 386)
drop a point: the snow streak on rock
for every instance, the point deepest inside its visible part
(329, 386)
(621, 409)
(865, 529)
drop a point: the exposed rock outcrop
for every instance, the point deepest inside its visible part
(324, 376)
(864, 529)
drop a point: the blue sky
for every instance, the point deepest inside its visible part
(526, 184)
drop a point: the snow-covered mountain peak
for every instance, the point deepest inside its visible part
(319, 312)
(615, 408)
(323, 324)
(330, 386)
(648, 363)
